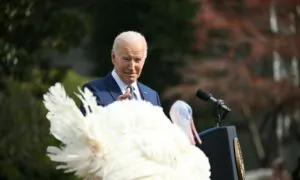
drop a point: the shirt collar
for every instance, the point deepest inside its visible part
(121, 84)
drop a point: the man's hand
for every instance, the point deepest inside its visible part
(124, 96)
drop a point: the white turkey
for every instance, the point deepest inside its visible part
(126, 140)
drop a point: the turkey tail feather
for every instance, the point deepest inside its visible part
(81, 145)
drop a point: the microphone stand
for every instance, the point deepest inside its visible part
(219, 112)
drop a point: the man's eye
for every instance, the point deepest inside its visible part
(126, 58)
(137, 60)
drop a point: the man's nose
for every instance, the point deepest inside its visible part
(131, 65)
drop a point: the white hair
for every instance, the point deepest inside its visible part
(129, 36)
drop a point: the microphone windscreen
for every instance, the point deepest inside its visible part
(203, 95)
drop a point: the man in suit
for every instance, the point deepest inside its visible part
(128, 56)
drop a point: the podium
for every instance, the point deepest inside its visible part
(221, 146)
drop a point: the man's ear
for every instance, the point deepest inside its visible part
(113, 57)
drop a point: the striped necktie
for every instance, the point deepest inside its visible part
(133, 95)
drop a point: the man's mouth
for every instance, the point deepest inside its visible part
(130, 74)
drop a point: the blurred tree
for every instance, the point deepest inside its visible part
(237, 47)
(29, 29)
(167, 26)
(24, 131)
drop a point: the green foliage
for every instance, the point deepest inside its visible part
(24, 129)
(72, 81)
(166, 25)
(28, 30)
(24, 133)
(28, 27)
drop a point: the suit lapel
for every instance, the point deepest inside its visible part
(112, 86)
(143, 92)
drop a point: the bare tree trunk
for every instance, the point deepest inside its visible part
(277, 75)
(254, 131)
(283, 121)
(256, 140)
(295, 62)
(295, 74)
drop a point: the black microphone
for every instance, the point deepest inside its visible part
(209, 97)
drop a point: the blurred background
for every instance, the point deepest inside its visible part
(245, 52)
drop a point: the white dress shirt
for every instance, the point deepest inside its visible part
(123, 86)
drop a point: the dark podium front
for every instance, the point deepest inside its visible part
(221, 146)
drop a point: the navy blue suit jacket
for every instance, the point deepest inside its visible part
(107, 91)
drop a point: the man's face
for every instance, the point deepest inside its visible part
(129, 60)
